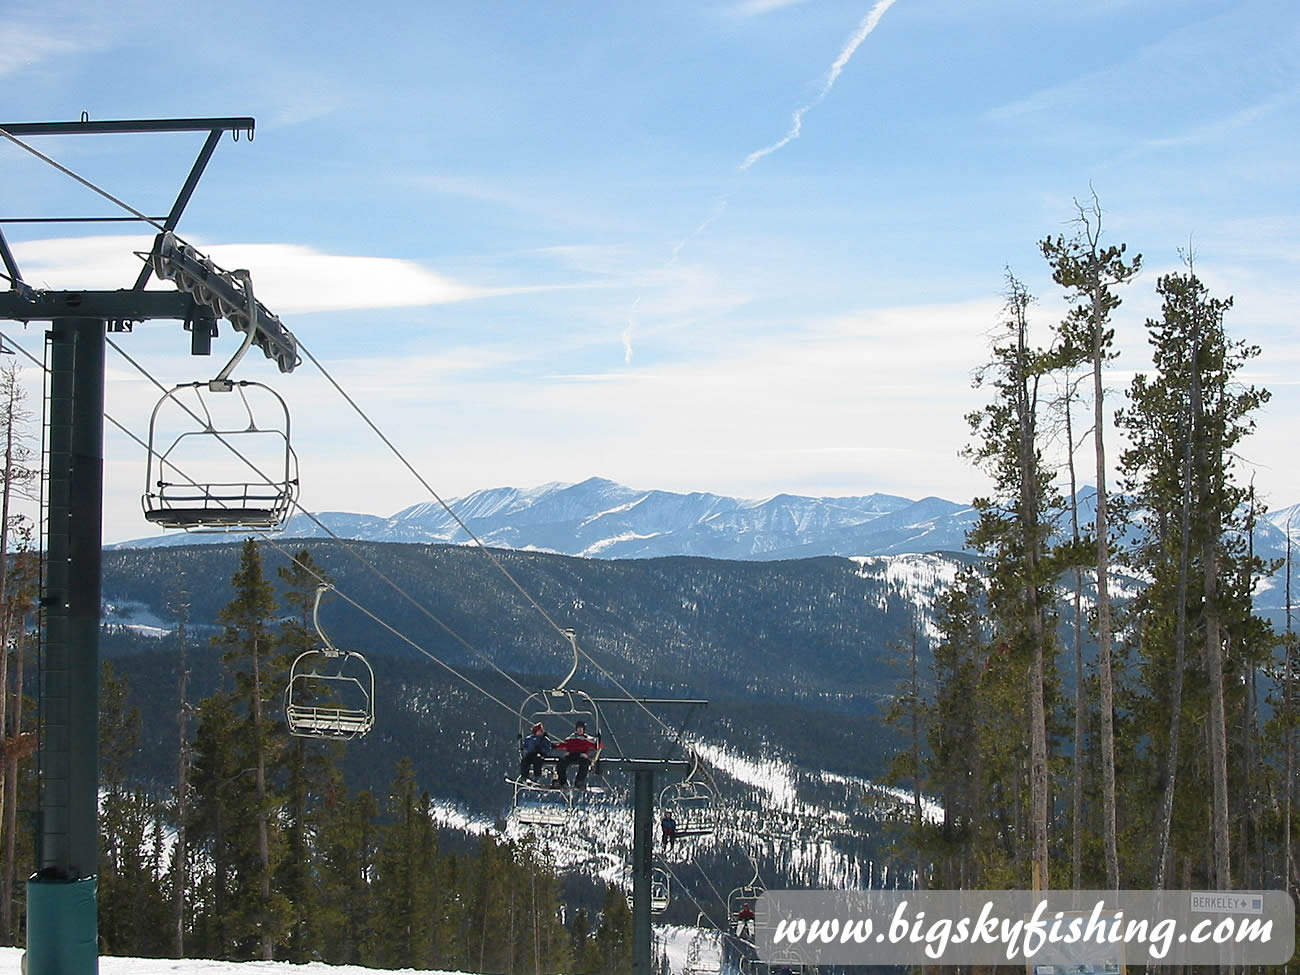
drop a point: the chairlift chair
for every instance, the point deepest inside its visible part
(540, 807)
(184, 487)
(659, 890)
(331, 692)
(745, 895)
(558, 710)
(253, 484)
(691, 805)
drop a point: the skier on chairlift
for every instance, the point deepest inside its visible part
(669, 827)
(533, 751)
(581, 750)
(745, 922)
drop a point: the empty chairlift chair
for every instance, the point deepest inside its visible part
(220, 459)
(331, 692)
(659, 890)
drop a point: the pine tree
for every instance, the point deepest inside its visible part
(222, 788)
(345, 852)
(954, 732)
(119, 827)
(1090, 273)
(613, 941)
(1014, 531)
(249, 648)
(405, 869)
(179, 604)
(1185, 423)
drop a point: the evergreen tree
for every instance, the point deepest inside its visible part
(613, 941)
(1090, 273)
(405, 871)
(954, 732)
(179, 604)
(249, 649)
(222, 797)
(1185, 423)
(122, 818)
(345, 854)
(1013, 531)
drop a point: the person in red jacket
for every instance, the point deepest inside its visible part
(745, 922)
(579, 749)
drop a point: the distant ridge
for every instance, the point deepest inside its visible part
(598, 518)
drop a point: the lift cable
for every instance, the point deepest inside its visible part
(320, 578)
(528, 596)
(681, 886)
(477, 541)
(351, 550)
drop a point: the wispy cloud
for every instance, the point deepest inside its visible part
(1218, 129)
(754, 8)
(24, 47)
(865, 28)
(719, 208)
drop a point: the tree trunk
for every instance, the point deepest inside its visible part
(917, 818)
(11, 795)
(1180, 641)
(1288, 731)
(6, 620)
(1218, 719)
(1105, 679)
(1076, 761)
(1029, 515)
(180, 851)
(263, 829)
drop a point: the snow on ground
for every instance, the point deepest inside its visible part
(597, 547)
(11, 959)
(919, 578)
(930, 809)
(773, 776)
(676, 940)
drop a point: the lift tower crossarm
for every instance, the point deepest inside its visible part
(243, 124)
(215, 127)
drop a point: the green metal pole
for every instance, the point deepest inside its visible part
(643, 809)
(62, 929)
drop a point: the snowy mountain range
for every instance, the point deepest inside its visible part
(598, 518)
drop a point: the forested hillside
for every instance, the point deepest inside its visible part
(816, 628)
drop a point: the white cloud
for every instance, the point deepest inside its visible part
(287, 278)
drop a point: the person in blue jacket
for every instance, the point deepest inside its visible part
(533, 751)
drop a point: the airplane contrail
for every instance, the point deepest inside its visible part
(868, 24)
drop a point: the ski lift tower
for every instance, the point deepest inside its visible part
(643, 818)
(62, 928)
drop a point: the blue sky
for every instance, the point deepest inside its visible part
(741, 247)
